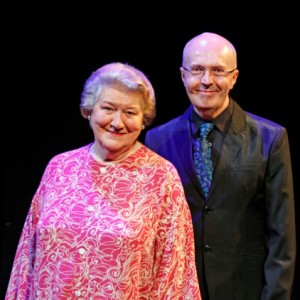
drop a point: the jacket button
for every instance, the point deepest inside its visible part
(207, 248)
(207, 209)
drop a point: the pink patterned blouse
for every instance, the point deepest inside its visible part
(106, 231)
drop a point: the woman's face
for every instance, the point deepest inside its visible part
(116, 120)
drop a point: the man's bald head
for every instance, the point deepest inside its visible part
(209, 42)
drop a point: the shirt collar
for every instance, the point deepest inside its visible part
(221, 122)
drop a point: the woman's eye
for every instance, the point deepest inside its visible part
(129, 112)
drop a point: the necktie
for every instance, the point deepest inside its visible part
(202, 157)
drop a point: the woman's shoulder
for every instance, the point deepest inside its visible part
(71, 154)
(155, 158)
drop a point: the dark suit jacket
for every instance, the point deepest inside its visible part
(245, 232)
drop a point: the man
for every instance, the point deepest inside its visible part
(245, 227)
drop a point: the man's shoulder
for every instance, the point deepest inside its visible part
(172, 124)
(263, 121)
(165, 126)
(253, 120)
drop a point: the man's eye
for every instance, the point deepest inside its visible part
(197, 69)
(221, 71)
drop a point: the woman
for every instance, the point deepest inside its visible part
(109, 220)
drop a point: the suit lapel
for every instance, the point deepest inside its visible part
(231, 145)
(183, 146)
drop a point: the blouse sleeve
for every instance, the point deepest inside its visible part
(19, 286)
(175, 271)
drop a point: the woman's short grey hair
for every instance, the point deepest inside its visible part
(119, 75)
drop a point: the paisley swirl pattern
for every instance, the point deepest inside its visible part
(202, 157)
(106, 231)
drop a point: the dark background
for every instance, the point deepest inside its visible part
(48, 53)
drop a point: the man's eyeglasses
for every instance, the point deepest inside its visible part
(200, 71)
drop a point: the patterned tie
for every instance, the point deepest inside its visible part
(202, 157)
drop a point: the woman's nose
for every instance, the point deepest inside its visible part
(117, 120)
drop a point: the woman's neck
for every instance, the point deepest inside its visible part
(111, 156)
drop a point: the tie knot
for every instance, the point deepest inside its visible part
(205, 129)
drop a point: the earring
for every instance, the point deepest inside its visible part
(89, 117)
(143, 126)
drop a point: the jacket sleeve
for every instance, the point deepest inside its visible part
(280, 222)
